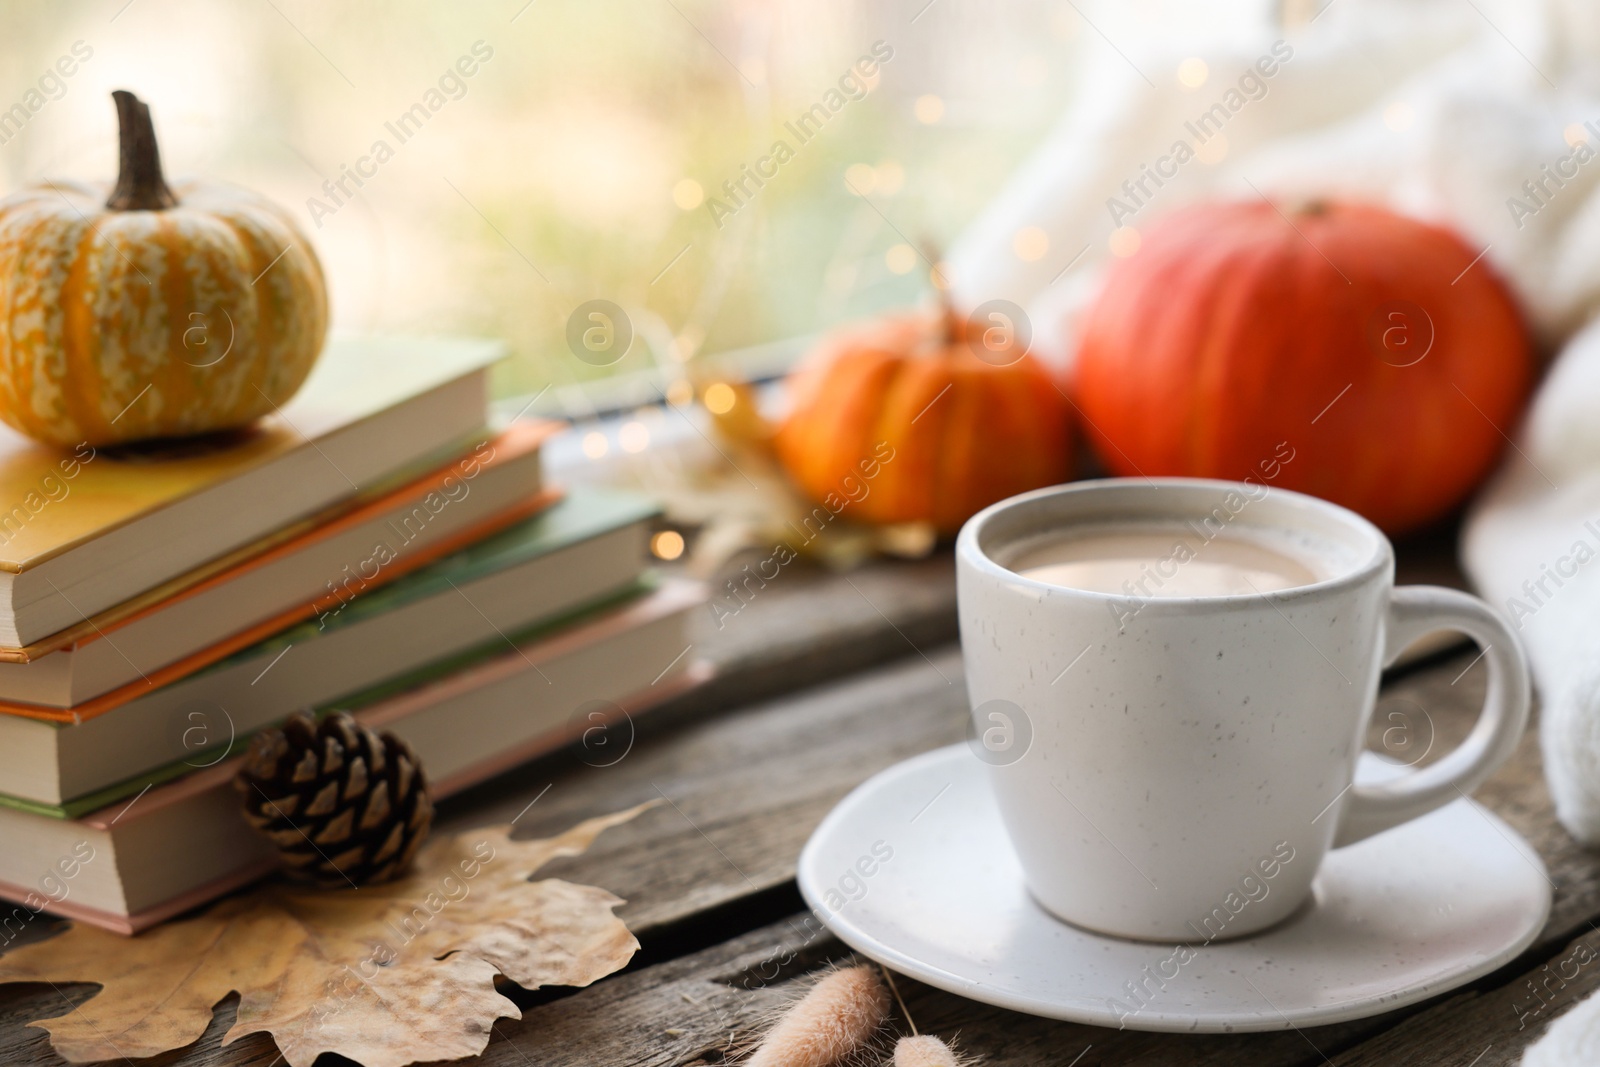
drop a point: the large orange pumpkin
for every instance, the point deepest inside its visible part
(155, 311)
(902, 421)
(1379, 354)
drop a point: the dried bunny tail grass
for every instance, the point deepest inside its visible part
(925, 1051)
(840, 1016)
(920, 1050)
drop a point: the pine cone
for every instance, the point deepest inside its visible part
(342, 804)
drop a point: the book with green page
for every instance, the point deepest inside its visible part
(585, 552)
(185, 841)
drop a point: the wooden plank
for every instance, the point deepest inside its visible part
(1431, 709)
(730, 784)
(1439, 706)
(1493, 1021)
(1491, 1025)
(708, 1007)
(739, 794)
(808, 625)
(785, 763)
(804, 627)
(743, 792)
(746, 790)
(20, 1044)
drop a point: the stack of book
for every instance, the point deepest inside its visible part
(377, 546)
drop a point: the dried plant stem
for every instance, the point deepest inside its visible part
(898, 999)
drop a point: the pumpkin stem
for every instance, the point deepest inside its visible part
(949, 318)
(140, 185)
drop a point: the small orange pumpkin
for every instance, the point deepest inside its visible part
(1336, 348)
(154, 312)
(902, 421)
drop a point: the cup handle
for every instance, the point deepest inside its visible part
(1413, 611)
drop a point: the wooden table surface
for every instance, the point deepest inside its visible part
(824, 681)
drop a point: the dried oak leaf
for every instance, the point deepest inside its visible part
(385, 975)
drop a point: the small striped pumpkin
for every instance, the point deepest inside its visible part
(155, 311)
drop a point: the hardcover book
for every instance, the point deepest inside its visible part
(85, 529)
(304, 570)
(584, 554)
(184, 843)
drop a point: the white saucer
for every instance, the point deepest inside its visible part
(1397, 918)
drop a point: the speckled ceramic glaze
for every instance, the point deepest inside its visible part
(914, 870)
(1177, 768)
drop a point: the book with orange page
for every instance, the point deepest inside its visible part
(183, 842)
(84, 529)
(585, 553)
(298, 573)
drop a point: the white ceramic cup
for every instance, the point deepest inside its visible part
(1176, 768)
